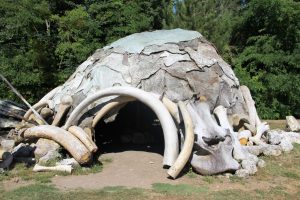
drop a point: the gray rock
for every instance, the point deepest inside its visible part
(243, 173)
(255, 150)
(50, 158)
(7, 145)
(253, 158)
(68, 161)
(228, 175)
(23, 150)
(7, 160)
(286, 145)
(272, 150)
(292, 137)
(261, 163)
(43, 146)
(274, 137)
(250, 166)
(292, 124)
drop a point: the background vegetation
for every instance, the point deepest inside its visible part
(42, 41)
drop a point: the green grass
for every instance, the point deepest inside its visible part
(281, 176)
(286, 165)
(209, 179)
(19, 170)
(181, 189)
(49, 192)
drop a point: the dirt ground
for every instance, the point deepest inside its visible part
(138, 169)
(128, 168)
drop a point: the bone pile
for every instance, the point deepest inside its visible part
(179, 75)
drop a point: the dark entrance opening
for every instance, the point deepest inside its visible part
(136, 127)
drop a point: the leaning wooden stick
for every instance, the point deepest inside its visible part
(23, 99)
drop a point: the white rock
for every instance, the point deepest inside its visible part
(7, 145)
(292, 123)
(43, 146)
(286, 145)
(274, 137)
(272, 150)
(250, 166)
(253, 158)
(261, 163)
(68, 161)
(49, 157)
(243, 173)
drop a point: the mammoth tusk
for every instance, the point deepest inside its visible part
(66, 102)
(121, 100)
(61, 168)
(250, 105)
(37, 106)
(167, 123)
(171, 106)
(106, 108)
(64, 138)
(83, 137)
(187, 145)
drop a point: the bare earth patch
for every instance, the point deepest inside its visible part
(128, 168)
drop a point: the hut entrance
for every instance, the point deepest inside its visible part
(136, 127)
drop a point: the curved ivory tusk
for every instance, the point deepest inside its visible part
(106, 108)
(83, 137)
(65, 104)
(167, 123)
(37, 106)
(171, 106)
(253, 116)
(45, 101)
(187, 145)
(64, 138)
(61, 168)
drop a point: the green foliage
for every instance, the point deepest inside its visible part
(42, 42)
(267, 39)
(213, 19)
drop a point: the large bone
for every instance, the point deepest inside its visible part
(261, 129)
(167, 123)
(187, 145)
(204, 125)
(253, 117)
(238, 153)
(217, 161)
(237, 121)
(37, 106)
(65, 103)
(83, 137)
(61, 168)
(119, 101)
(45, 101)
(109, 106)
(64, 138)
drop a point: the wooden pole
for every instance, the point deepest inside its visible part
(23, 99)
